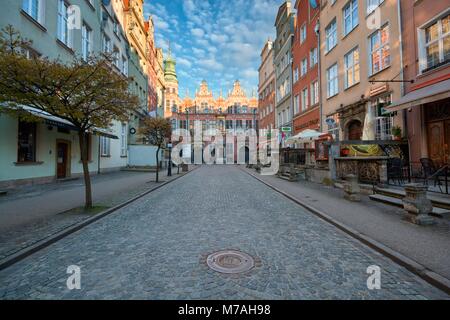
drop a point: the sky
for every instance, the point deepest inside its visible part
(219, 41)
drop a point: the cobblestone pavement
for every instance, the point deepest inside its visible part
(155, 249)
(15, 237)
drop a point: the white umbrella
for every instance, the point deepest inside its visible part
(369, 125)
(305, 136)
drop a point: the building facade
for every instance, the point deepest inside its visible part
(305, 67)
(360, 56)
(47, 150)
(426, 61)
(266, 88)
(284, 25)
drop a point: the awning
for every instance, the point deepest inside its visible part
(63, 123)
(435, 92)
(305, 136)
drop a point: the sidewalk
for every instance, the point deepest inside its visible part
(31, 214)
(429, 246)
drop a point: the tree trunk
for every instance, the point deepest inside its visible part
(87, 178)
(157, 164)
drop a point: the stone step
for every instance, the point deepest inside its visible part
(393, 201)
(437, 201)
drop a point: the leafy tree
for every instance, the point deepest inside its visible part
(89, 94)
(157, 131)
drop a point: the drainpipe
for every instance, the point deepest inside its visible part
(319, 77)
(402, 77)
(98, 156)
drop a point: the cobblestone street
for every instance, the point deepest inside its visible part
(155, 248)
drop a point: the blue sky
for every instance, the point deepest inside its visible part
(216, 40)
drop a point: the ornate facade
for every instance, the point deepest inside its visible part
(140, 35)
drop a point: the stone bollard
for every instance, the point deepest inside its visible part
(416, 204)
(184, 167)
(352, 189)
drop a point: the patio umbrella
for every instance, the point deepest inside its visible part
(369, 125)
(305, 136)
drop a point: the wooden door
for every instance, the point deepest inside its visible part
(436, 142)
(447, 141)
(61, 160)
(354, 130)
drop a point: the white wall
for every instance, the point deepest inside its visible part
(142, 155)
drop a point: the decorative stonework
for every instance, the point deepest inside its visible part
(416, 204)
(352, 189)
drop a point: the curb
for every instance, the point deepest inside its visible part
(429, 276)
(24, 253)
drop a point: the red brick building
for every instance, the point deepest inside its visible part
(305, 67)
(266, 88)
(426, 61)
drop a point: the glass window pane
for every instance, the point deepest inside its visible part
(432, 55)
(431, 33)
(446, 24)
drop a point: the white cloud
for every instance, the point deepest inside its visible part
(197, 32)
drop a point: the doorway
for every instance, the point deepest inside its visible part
(62, 159)
(354, 130)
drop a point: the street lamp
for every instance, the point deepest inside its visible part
(169, 169)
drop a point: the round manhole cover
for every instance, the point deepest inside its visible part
(230, 261)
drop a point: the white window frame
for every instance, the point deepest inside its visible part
(380, 48)
(35, 9)
(105, 147)
(86, 41)
(372, 5)
(304, 67)
(331, 34)
(296, 75)
(125, 68)
(332, 81)
(303, 33)
(305, 97)
(314, 93)
(423, 44)
(107, 47)
(296, 104)
(352, 6)
(351, 65)
(313, 57)
(64, 32)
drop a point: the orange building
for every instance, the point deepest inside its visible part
(266, 88)
(305, 67)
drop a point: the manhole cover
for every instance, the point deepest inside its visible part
(230, 261)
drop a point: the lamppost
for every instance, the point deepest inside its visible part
(169, 169)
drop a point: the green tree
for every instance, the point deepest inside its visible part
(89, 94)
(158, 132)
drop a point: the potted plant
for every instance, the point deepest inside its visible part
(397, 132)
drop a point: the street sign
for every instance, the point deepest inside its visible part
(286, 129)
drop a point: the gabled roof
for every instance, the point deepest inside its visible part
(284, 9)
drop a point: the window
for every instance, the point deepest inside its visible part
(106, 44)
(331, 35)
(296, 75)
(303, 33)
(64, 33)
(125, 68)
(304, 67)
(332, 81)
(105, 146)
(350, 14)
(33, 9)
(305, 102)
(116, 27)
(437, 43)
(384, 121)
(351, 63)
(116, 59)
(86, 41)
(379, 50)
(26, 142)
(279, 119)
(372, 5)
(333, 128)
(296, 104)
(313, 57)
(123, 140)
(314, 93)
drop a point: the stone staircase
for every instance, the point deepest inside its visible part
(394, 196)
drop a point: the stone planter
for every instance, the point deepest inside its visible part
(416, 204)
